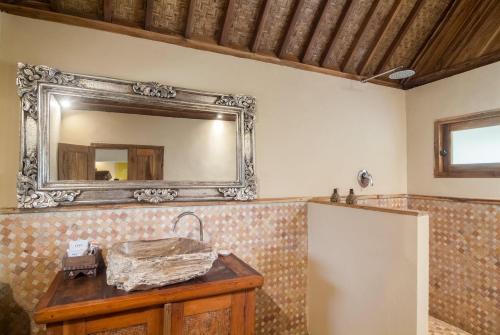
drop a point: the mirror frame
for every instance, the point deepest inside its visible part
(35, 85)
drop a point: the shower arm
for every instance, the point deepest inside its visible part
(382, 74)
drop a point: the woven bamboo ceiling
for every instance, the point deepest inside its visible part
(348, 38)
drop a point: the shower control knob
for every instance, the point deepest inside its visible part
(365, 179)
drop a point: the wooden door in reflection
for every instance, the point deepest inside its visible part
(75, 162)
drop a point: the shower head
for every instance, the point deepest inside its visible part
(402, 74)
(397, 73)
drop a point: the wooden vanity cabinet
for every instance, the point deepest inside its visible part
(222, 302)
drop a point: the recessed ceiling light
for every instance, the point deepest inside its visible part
(66, 103)
(219, 116)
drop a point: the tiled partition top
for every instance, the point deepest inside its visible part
(271, 237)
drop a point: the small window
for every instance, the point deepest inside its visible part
(468, 146)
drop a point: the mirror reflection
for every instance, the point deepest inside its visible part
(109, 141)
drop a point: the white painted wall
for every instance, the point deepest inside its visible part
(313, 131)
(469, 92)
(368, 272)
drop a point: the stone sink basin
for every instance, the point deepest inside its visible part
(141, 265)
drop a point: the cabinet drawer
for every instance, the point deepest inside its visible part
(143, 322)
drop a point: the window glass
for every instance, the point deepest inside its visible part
(476, 146)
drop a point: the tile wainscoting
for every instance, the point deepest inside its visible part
(271, 237)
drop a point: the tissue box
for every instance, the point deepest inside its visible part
(86, 265)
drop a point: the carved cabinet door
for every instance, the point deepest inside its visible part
(231, 314)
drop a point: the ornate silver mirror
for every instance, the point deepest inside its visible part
(90, 140)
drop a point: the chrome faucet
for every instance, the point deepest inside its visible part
(365, 179)
(176, 220)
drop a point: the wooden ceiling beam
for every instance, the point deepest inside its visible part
(188, 33)
(107, 10)
(454, 69)
(148, 20)
(338, 26)
(291, 27)
(173, 39)
(228, 21)
(368, 57)
(399, 37)
(263, 19)
(438, 27)
(359, 33)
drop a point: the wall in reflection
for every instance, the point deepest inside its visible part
(193, 149)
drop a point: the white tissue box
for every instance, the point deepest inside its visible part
(78, 248)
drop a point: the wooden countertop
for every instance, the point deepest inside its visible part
(90, 296)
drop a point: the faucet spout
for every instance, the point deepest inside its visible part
(177, 219)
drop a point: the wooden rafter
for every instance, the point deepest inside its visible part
(53, 4)
(358, 35)
(291, 28)
(188, 33)
(107, 10)
(228, 21)
(314, 36)
(454, 69)
(338, 25)
(148, 20)
(368, 57)
(263, 20)
(402, 32)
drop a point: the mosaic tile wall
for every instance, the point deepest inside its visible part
(270, 237)
(464, 251)
(464, 263)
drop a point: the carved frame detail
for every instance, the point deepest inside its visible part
(35, 84)
(155, 195)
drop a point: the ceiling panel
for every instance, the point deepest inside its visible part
(347, 33)
(301, 28)
(375, 23)
(240, 23)
(170, 16)
(330, 20)
(207, 19)
(273, 24)
(423, 24)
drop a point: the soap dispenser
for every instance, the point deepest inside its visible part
(335, 195)
(351, 198)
